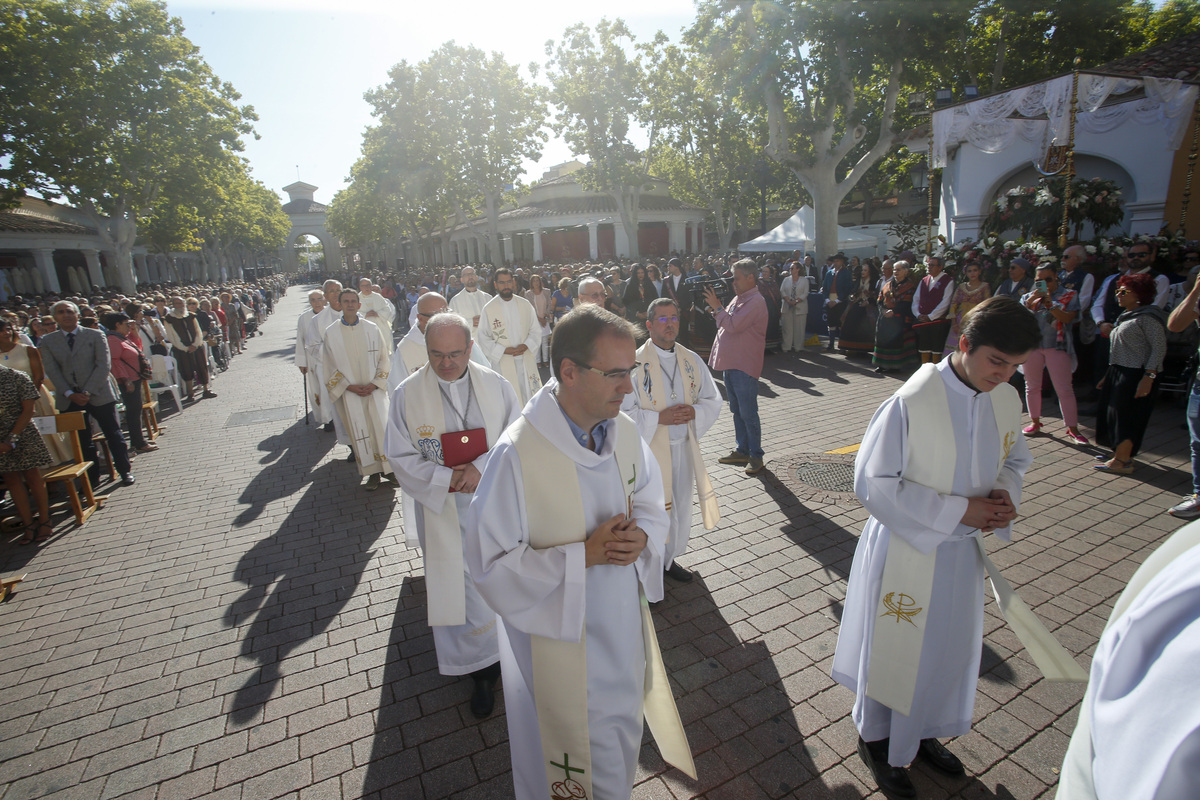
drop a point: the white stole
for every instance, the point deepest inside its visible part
(413, 354)
(426, 419)
(560, 668)
(356, 412)
(493, 316)
(907, 583)
(651, 394)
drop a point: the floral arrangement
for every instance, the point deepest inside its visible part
(1036, 211)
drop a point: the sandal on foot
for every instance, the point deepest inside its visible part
(46, 534)
(28, 537)
(1116, 466)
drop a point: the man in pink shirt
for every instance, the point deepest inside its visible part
(738, 353)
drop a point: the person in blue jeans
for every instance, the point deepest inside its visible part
(1185, 315)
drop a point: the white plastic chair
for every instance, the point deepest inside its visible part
(165, 378)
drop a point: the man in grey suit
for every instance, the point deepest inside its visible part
(77, 362)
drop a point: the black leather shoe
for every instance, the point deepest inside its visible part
(892, 781)
(483, 700)
(350, 458)
(941, 759)
(679, 573)
(127, 479)
(328, 426)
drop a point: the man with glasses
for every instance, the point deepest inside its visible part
(591, 290)
(675, 401)
(565, 536)
(738, 352)
(447, 400)
(470, 301)
(510, 336)
(411, 354)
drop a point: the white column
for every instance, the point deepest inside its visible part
(537, 245)
(143, 273)
(675, 240)
(508, 248)
(95, 275)
(43, 258)
(593, 243)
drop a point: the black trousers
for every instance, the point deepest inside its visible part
(133, 414)
(106, 418)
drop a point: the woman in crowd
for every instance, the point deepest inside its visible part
(1137, 345)
(23, 453)
(770, 292)
(127, 365)
(543, 305)
(235, 317)
(212, 335)
(895, 342)
(562, 299)
(152, 337)
(638, 294)
(969, 294)
(1057, 311)
(858, 324)
(28, 360)
(655, 278)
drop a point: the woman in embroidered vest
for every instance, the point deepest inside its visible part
(858, 325)
(967, 295)
(770, 292)
(895, 343)
(1137, 346)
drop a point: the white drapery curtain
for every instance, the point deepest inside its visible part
(1041, 113)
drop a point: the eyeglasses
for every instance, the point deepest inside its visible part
(1140, 254)
(455, 356)
(665, 320)
(1122, 291)
(612, 375)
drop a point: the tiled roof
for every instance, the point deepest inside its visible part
(18, 222)
(592, 205)
(1179, 58)
(304, 207)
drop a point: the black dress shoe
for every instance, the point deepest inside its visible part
(679, 573)
(483, 699)
(328, 426)
(350, 457)
(941, 759)
(127, 479)
(892, 781)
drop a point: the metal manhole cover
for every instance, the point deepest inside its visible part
(836, 477)
(818, 477)
(260, 415)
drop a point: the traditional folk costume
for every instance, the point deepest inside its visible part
(355, 354)
(424, 408)
(666, 378)
(509, 324)
(308, 355)
(911, 635)
(794, 314)
(384, 311)
(1137, 730)
(932, 300)
(322, 323)
(470, 305)
(577, 645)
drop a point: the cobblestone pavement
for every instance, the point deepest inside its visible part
(245, 622)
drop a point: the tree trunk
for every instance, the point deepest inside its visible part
(118, 232)
(495, 248)
(627, 209)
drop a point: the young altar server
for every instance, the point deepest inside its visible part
(449, 402)
(674, 403)
(942, 462)
(565, 540)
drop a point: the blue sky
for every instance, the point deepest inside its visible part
(304, 64)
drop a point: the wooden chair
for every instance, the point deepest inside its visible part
(69, 471)
(150, 413)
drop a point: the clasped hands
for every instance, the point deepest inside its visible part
(997, 510)
(465, 478)
(676, 415)
(618, 541)
(519, 350)
(362, 389)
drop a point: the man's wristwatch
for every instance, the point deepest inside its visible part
(1151, 375)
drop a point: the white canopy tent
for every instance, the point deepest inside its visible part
(799, 233)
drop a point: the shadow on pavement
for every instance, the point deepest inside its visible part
(290, 456)
(299, 579)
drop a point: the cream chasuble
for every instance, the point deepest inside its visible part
(470, 305)
(509, 324)
(355, 355)
(384, 313)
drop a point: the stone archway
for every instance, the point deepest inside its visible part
(308, 218)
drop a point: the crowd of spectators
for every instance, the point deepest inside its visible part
(97, 354)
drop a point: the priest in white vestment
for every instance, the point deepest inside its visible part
(509, 336)
(450, 394)
(308, 355)
(565, 540)
(1138, 733)
(675, 401)
(955, 423)
(330, 315)
(410, 354)
(356, 369)
(471, 300)
(378, 309)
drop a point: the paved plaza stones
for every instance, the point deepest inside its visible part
(246, 622)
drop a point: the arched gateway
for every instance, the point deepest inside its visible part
(308, 218)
